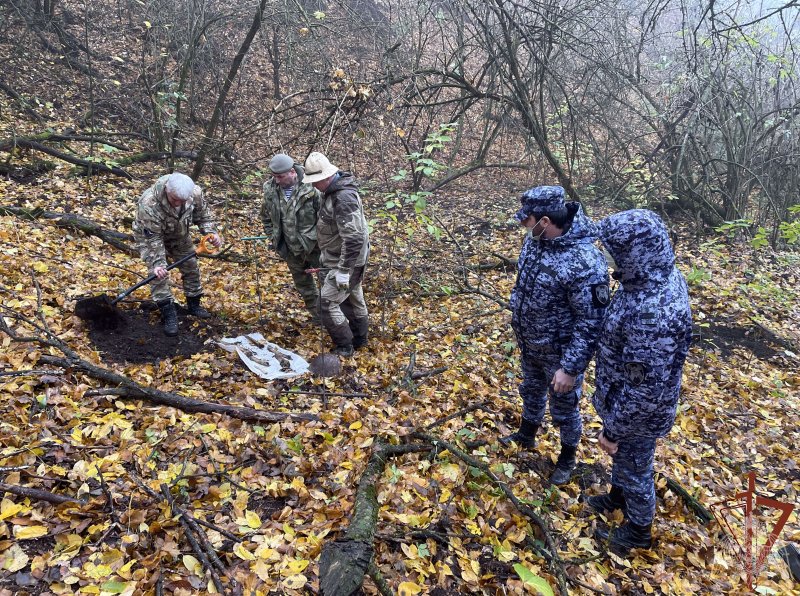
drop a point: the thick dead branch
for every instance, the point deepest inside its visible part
(197, 538)
(39, 495)
(70, 221)
(703, 514)
(130, 389)
(24, 104)
(93, 166)
(344, 562)
(552, 551)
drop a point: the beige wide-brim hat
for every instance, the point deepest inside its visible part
(318, 168)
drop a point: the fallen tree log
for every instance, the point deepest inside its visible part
(39, 495)
(71, 221)
(128, 388)
(90, 165)
(344, 562)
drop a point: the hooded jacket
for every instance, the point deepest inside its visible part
(561, 292)
(342, 233)
(646, 332)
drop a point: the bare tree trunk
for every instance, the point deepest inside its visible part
(237, 62)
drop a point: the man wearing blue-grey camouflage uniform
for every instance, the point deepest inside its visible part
(161, 229)
(343, 239)
(640, 355)
(557, 307)
(289, 215)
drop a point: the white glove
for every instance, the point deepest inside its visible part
(342, 279)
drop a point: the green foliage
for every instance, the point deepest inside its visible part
(422, 164)
(697, 276)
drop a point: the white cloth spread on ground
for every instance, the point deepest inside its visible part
(263, 358)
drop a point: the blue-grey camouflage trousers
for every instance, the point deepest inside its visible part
(537, 373)
(633, 473)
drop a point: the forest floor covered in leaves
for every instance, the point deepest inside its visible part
(272, 495)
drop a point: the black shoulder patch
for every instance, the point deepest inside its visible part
(601, 295)
(636, 372)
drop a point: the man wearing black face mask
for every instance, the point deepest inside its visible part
(557, 307)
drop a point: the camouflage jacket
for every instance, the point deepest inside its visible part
(646, 332)
(303, 231)
(561, 292)
(342, 232)
(157, 221)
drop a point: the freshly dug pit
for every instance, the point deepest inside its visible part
(137, 336)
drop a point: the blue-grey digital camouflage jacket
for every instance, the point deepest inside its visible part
(561, 292)
(646, 332)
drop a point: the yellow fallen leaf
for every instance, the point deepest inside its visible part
(295, 582)
(28, 532)
(240, 551)
(40, 267)
(193, 565)
(14, 558)
(9, 508)
(408, 589)
(296, 566)
(356, 425)
(253, 520)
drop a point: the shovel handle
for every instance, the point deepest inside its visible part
(147, 280)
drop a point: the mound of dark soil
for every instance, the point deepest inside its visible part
(138, 336)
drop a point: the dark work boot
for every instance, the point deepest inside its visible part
(525, 437)
(169, 317)
(194, 308)
(345, 351)
(610, 501)
(359, 341)
(627, 536)
(564, 465)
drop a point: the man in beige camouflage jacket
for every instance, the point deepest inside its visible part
(343, 239)
(161, 229)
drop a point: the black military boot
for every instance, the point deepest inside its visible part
(345, 351)
(627, 536)
(525, 437)
(564, 465)
(359, 341)
(169, 317)
(613, 499)
(343, 339)
(195, 309)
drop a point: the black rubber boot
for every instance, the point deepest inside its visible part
(359, 341)
(195, 309)
(564, 465)
(627, 536)
(169, 317)
(610, 501)
(525, 437)
(345, 351)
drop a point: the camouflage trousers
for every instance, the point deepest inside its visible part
(344, 312)
(176, 248)
(304, 282)
(633, 473)
(537, 373)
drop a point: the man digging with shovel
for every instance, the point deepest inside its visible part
(161, 229)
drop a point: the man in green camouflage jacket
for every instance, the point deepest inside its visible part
(343, 238)
(161, 229)
(289, 215)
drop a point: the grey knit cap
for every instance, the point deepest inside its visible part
(280, 164)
